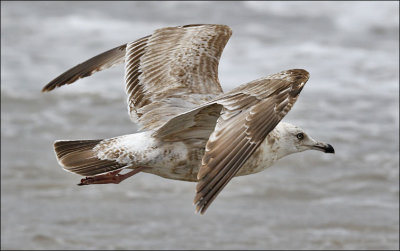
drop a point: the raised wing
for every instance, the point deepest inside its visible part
(169, 72)
(100, 62)
(249, 113)
(176, 71)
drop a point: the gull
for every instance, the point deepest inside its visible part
(190, 129)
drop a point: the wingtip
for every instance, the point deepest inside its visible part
(201, 206)
(301, 72)
(44, 89)
(49, 87)
(199, 210)
(225, 27)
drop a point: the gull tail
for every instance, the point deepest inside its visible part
(78, 156)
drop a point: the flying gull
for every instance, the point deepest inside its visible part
(189, 128)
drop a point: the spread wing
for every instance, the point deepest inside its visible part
(177, 71)
(249, 113)
(169, 72)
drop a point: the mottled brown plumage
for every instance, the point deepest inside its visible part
(247, 117)
(191, 130)
(176, 62)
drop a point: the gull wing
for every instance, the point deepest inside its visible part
(177, 71)
(169, 72)
(249, 113)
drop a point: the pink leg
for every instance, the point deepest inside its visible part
(111, 177)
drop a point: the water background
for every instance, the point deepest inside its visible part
(311, 200)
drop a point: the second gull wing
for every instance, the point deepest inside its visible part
(169, 72)
(176, 71)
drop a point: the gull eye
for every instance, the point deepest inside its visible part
(300, 136)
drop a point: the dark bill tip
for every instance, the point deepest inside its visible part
(326, 148)
(329, 149)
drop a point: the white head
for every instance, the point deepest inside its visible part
(293, 139)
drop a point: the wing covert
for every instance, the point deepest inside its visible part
(249, 113)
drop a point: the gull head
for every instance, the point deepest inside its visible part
(293, 139)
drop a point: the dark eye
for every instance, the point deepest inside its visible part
(300, 136)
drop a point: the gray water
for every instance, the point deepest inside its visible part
(308, 200)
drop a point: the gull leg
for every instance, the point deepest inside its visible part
(112, 177)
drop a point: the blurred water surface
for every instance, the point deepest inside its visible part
(311, 200)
